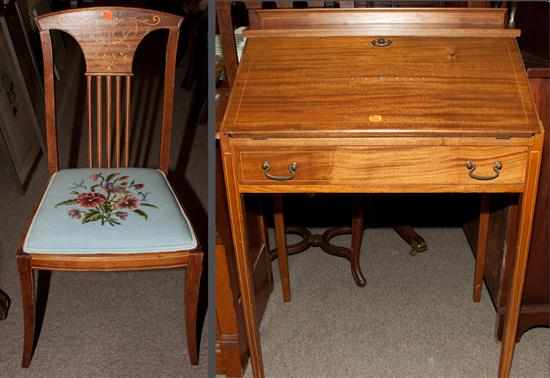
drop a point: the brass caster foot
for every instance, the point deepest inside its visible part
(418, 245)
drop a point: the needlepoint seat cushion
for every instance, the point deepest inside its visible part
(95, 211)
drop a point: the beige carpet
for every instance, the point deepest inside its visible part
(415, 318)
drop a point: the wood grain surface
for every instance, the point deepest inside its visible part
(306, 85)
(108, 36)
(390, 30)
(306, 18)
(386, 165)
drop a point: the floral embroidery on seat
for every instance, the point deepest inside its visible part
(108, 199)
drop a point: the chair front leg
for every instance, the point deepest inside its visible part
(26, 278)
(192, 288)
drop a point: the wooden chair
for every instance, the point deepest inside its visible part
(133, 215)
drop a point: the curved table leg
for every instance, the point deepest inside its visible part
(357, 227)
(322, 241)
(307, 239)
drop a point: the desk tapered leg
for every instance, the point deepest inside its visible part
(481, 246)
(513, 304)
(282, 253)
(244, 265)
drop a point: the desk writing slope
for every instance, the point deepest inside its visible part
(416, 85)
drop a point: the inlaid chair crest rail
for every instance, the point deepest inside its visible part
(109, 38)
(424, 110)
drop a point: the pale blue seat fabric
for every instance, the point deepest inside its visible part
(93, 211)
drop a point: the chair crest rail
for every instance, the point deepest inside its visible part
(109, 38)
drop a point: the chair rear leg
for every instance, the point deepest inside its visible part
(26, 279)
(192, 288)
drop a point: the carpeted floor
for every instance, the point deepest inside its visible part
(109, 324)
(415, 318)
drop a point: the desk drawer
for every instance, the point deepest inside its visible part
(384, 165)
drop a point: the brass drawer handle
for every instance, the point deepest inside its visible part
(381, 42)
(471, 166)
(292, 167)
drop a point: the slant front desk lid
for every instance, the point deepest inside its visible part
(295, 85)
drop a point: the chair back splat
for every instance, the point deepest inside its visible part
(108, 38)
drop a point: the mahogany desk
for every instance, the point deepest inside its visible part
(384, 109)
